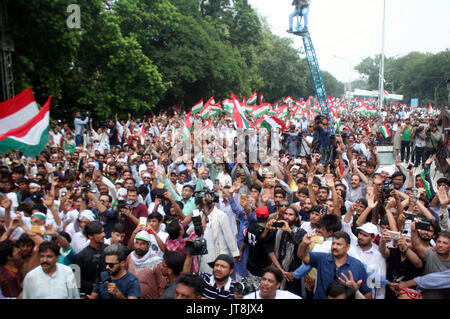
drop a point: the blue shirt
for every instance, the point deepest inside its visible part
(128, 285)
(327, 272)
(79, 124)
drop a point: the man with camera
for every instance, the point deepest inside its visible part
(79, 128)
(218, 233)
(322, 138)
(433, 140)
(284, 256)
(301, 9)
(91, 259)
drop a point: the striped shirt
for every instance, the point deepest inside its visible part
(211, 290)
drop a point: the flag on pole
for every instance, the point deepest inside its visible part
(385, 131)
(252, 99)
(259, 110)
(29, 136)
(430, 108)
(17, 110)
(426, 185)
(270, 123)
(238, 114)
(386, 96)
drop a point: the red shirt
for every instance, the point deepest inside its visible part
(180, 244)
(139, 210)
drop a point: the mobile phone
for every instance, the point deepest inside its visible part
(410, 216)
(317, 239)
(277, 224)
(143, 221)
(216, 182)
(38, 229)
(423, 225)
(394, 234)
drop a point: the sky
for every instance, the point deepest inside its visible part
(352, 29)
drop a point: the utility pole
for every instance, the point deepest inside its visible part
(6, 49)
(381, 73)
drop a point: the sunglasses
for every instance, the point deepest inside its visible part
(110, 265)
(283, 205)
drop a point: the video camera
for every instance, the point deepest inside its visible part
(388, 186)
(199, 195)
(197, 247)
(244, 287)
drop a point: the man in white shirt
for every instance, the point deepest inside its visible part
(269, 287)
(218, 234)
(368, 253)
(51, 280)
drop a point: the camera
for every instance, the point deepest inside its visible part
(388, 186)
(423, 225)
(196, 247)
(197, 221)
(36, 197)
(121, 204)
(277, 224)
(85, 188)
(199, 195)
(243, 288)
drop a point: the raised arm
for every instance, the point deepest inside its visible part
(418, 246)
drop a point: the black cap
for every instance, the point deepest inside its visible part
(227, 258)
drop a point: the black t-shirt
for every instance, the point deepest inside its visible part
(87, 261)
(258, 248)
(287, 238)
(398, 270)
(113, 140)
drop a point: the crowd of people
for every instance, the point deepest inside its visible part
(105, 212)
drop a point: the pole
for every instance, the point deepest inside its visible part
(381, 80)
(349, 71)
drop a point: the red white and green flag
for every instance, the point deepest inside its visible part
(425, 183)
(385, 131)
(386, 95)
(430, 108)
(270, 123)
(252, 99)
(197, 107)
(29, 136)
(228, 106)
(259, 110)
(188, 122)
(239, 118)
(17, 110)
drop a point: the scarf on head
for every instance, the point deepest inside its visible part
(289, 254)
(148, 261)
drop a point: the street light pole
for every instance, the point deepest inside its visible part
(381, 75)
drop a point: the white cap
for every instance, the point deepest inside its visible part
(369, 228)
(142, 235)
